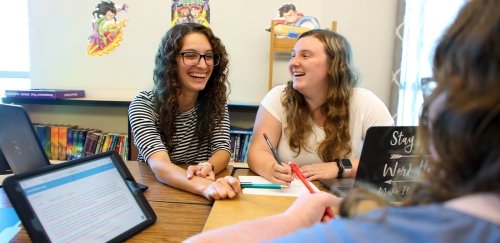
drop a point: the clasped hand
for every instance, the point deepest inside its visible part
(204, 171)
(226, 187)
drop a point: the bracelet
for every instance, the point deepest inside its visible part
(207, 163)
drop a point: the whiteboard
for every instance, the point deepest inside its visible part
(59, 31)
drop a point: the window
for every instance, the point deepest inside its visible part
(425, 22)
(14, 45)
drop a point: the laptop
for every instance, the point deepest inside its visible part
(18, 142)
(92, 199)
(389, 163)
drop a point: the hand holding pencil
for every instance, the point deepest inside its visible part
(280, 172)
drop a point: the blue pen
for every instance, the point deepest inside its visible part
(262, 186)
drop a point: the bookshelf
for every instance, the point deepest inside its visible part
(108, 115)
(240, 139)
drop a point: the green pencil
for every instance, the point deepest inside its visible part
(263, 186)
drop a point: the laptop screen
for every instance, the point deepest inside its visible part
(18, 140)
(86, 202)
(389, 162)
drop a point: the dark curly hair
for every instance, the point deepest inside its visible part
(342, 79)
(211, 100)
(103, 7)
(466, 132)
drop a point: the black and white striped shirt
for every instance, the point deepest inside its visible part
(145, 127)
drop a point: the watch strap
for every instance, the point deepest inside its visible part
(340, 166)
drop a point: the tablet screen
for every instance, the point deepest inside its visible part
(88, 202)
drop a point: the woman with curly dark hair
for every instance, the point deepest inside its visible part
(184, 119)
(459, 200)
(320, 116)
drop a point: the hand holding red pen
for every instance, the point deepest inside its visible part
(307, 210)
(296, 170)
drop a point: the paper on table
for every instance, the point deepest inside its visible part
(296, 187)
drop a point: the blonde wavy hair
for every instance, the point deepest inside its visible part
(342, 79)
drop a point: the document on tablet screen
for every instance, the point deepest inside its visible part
(86, 202)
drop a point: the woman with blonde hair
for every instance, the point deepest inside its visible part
(320, 117)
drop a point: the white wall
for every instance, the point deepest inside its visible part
(60, 28)
(59, 37)
(369, 26)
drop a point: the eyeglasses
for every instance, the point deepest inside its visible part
(193, 58)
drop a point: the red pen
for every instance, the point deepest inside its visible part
(296, 170)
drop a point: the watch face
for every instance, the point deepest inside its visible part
(346, 163)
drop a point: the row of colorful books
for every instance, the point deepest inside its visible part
(240, 141)
(68, 142)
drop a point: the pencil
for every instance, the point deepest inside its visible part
(263, 186)
(273, 150)
(296, 170)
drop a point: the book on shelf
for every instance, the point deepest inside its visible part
(49, 94)
(69, 142)
(82, 136)
(91, 142)
(240, 139)
(74, 144)
(54, 142)
(63, 141)
(244, 150)
(40, 133)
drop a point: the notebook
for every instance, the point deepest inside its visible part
(389, 162)
(18, 142)
(296, 187)
(92, 199)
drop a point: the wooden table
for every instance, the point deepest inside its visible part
(247, 206)
(180, 214)
(159, 192)
(176, 222)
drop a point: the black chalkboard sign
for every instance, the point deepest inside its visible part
(389, 161)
